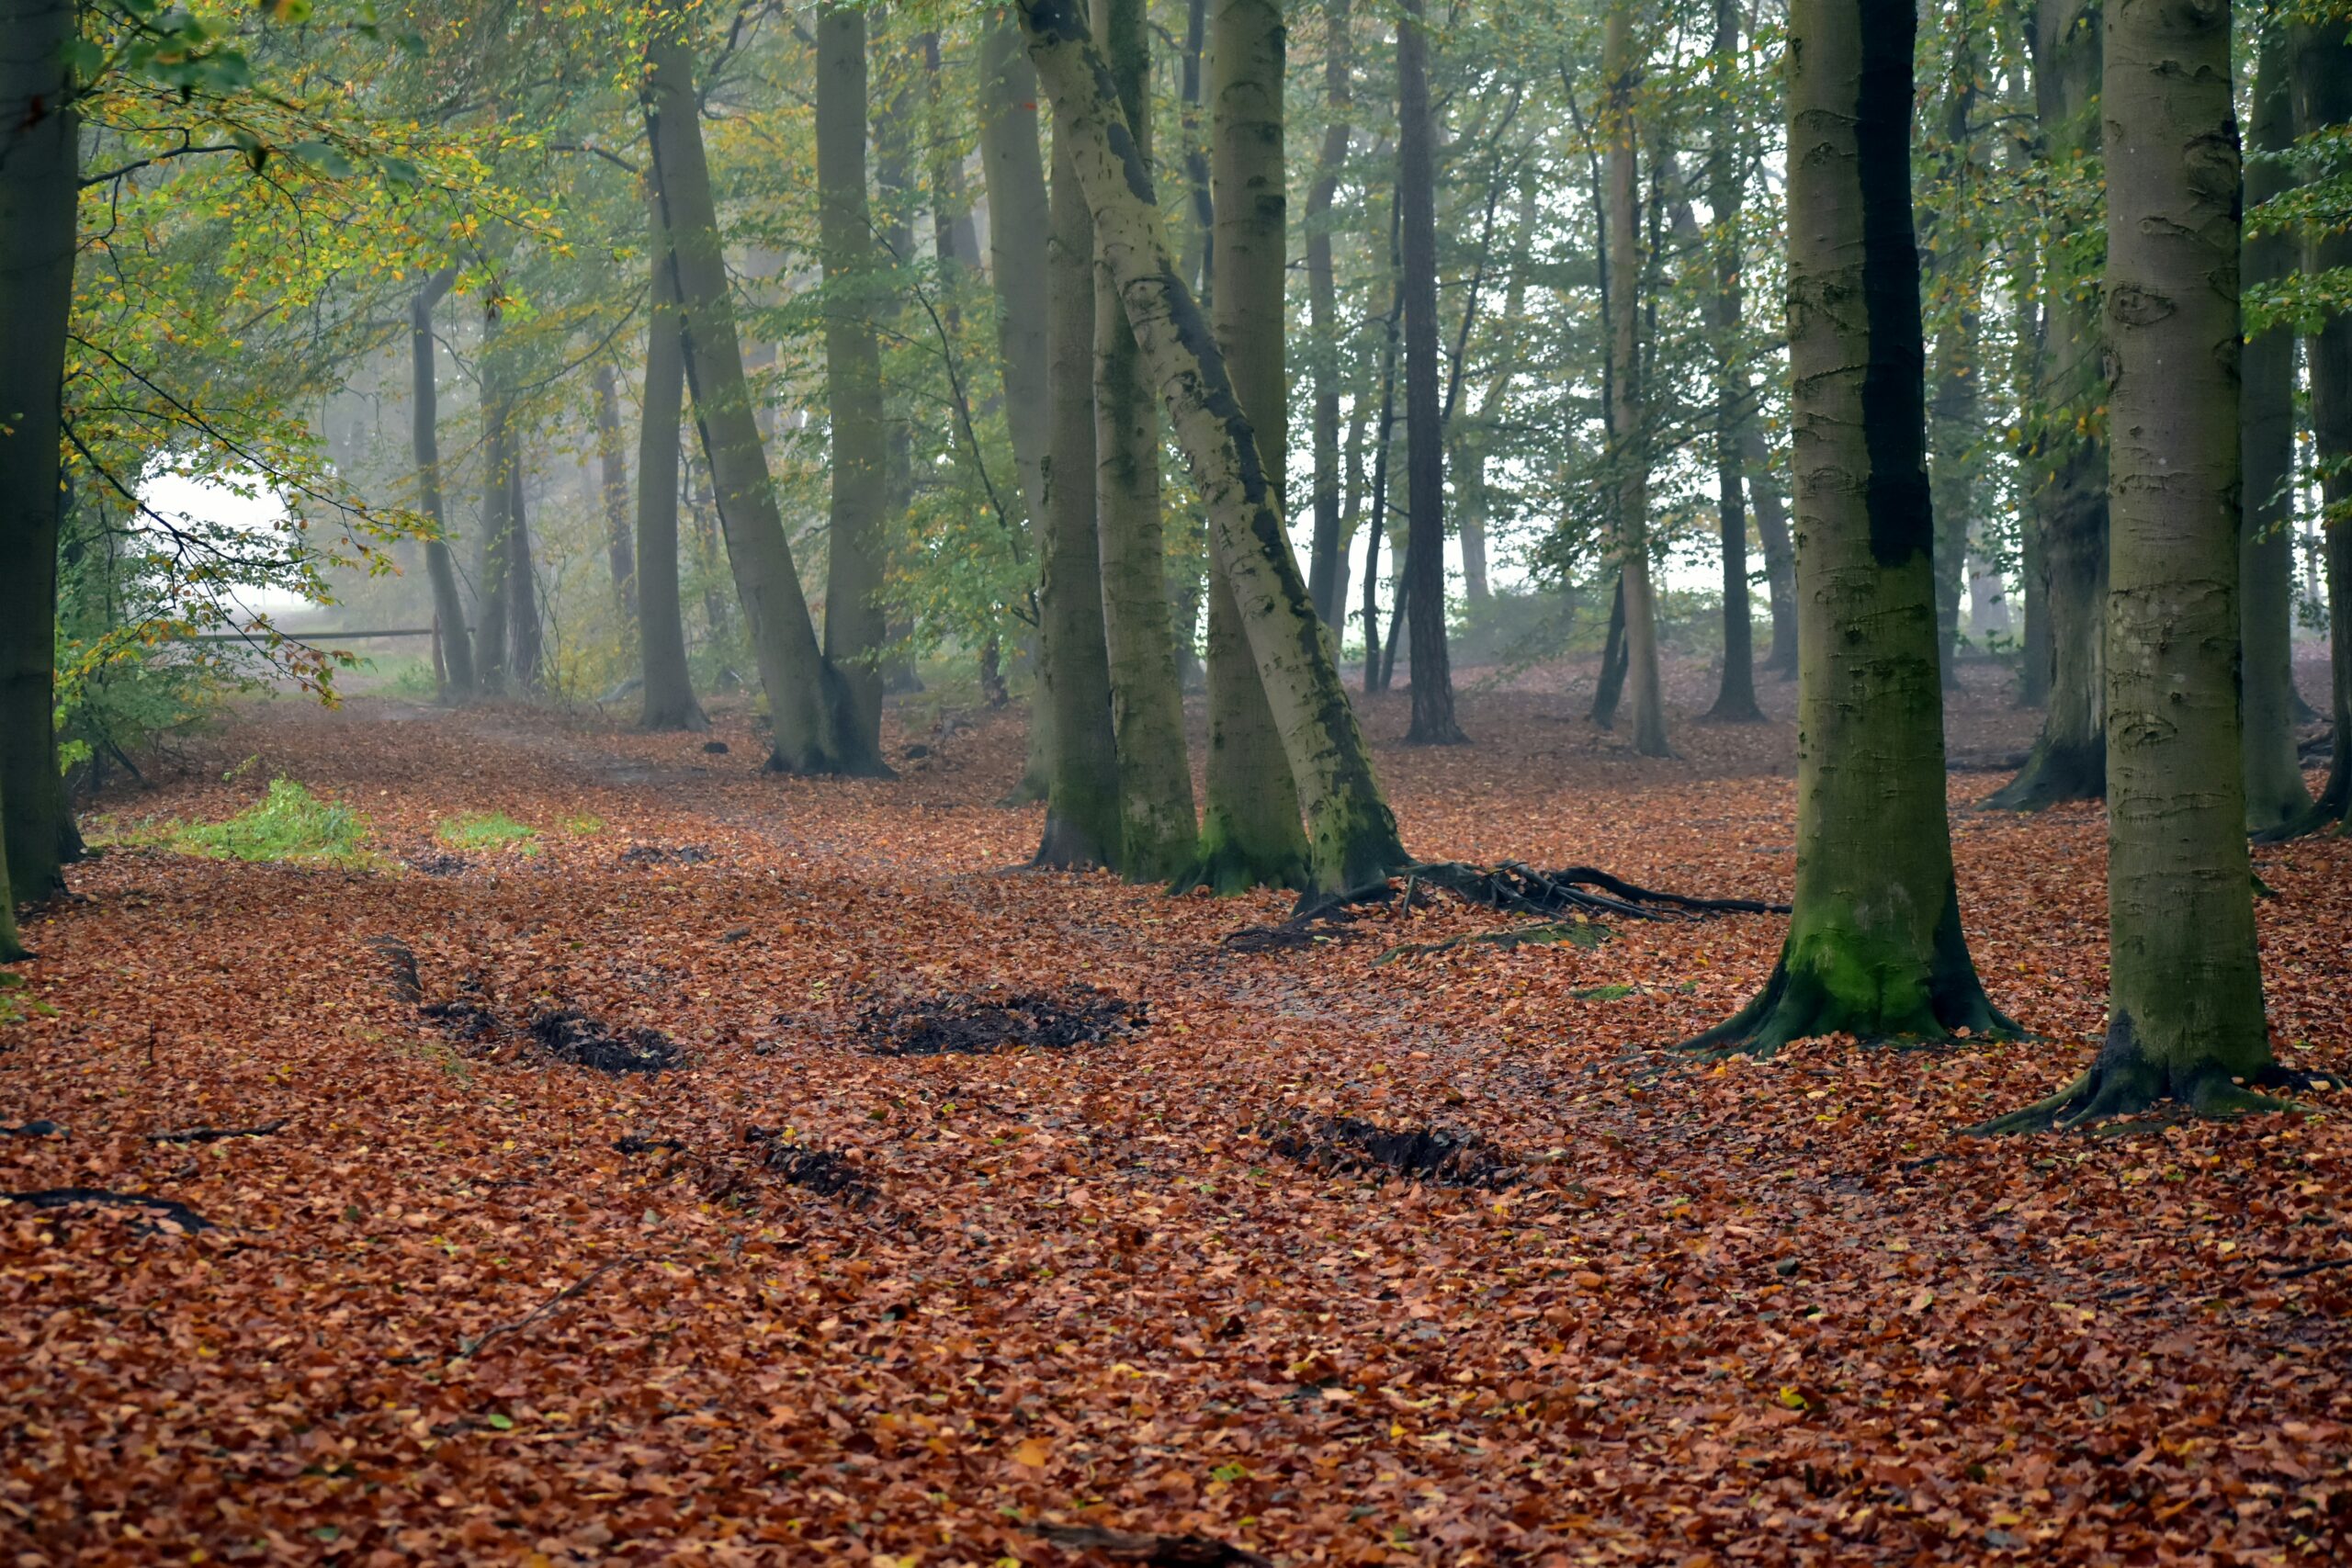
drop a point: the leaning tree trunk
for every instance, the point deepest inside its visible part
(2322, 72)
(1018, 217)
(1250, 835)
(1628, 437)
(1735, 698)
(858, 541)
(1073, 670)
(1326, 560)
(1874, 945)
(819, 725)
(612, 477)
(440, 562)
(2185, 1015)
(2069, 760)
(1424, 586)
(1352, 834)
(2276, 800)
(1158, 831)
(668, 699)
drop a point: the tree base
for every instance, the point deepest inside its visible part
(689, 720)
(1227, 869)
(817, 765)
(2052, 776)
(1733, 710)
(1066, 846)
(2315, 817)
(2127, 1084)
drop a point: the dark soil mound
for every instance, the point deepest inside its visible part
(658, 854)
(1443, 1157)
(465, 1019)
(436, 864)
(576, 1038)
(813, 1169)
(975, 1025)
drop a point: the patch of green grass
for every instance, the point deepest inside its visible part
(17, 1001)
(289, 823)
(488, 830)
(1604, 993)
(583, 825)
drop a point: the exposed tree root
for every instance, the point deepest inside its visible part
(2125, 1083)
(1792, 1008)
(1155, 1551)
(2052, 776)
(214, 1134)
(40, 1129)
(180, 1215)
(1578, 933)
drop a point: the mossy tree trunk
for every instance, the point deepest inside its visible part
(1735, 698)
(1251, 833)
(1424, 588)
(1158, 831)
(819, 724)
(2276, 799)
(1628, 419)
(2068, 476)
(1351, 833)
(2185, 1014)
(424, 425)
(1326, 560)
(1874, 945)
(667, 699)
(1083, 821)
(2323, 87)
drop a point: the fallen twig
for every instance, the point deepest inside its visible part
(468, 1348)
(214, 1134)
(40, 1129)
(1160, 1550)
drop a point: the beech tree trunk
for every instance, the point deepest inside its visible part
(522, 582)
(1735, 698)
(425, 415)
(2069, 760)
(1157, 830)
(2185, 1014)
(1351, 833)
(612, 475)
(2323, 87)
(1955, 415)
(668, 700)
(1779, 549)
(39, 181)
(493, 634)
(1628, 434)
(1082, 815)
(1424, 588)
(820, 727)
(1326, 561)
(1874, 945)
(2276, 798)
(1198, 247)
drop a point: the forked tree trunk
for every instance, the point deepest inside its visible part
(2276, 799)
(38, 172)
(1073, 670)
(1874, 945)
(1424, 589)
(612, 477)
(819, 727)
(1352, 834)
(2069, 760)
(440, 562)
(2185, 1015)
(2323, 77)
(1628, 434)
(1158, 831)
(1251, 833)
(1326, 560)
(1735, 698)
(668, 697)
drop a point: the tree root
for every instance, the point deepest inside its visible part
(214, 1134)
(180, 1215)
(2051, 776)
(1578, 933)
(1157, 1551)
(2129, 1085)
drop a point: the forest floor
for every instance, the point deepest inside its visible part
(847, 1283)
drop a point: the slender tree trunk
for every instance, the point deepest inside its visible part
(1073, 670)
(1779, 549)
(38, 181)
(1199, 259)
(1157, 830)
(2323, 86)
(823, 719)
(612, 474)
(494, 634)
(1326, 561)
(523, 583)
(2185, 1015)
(1018, 219)
(2069, 761)
(1371, 532)
(1433, 721)
(1608, 685)
(954, 233)
(1628, 434)
(1874, 947)
(1351, 833)
(668, 697)
(1954, 410)
(2276, 799)
(893, 111)
(1736, 699)
(440, 562)
(2036, 654)
(1377, 667)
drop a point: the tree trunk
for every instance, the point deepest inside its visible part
(1779, 549)
(1326, 561)
(440, 562)
(1199, 260)
(1628, 437)
(1352, 834)
(668, 697)
(1433, 721)
(523, 583)
(1736, 699)
(1608, 684)
(1073, 668)
(493, 635)
(820, 724)
(39, 174)
(1954, 410)
(2185, 1015)
(2069, 760)
(892, 110)
(1158, 831)
(1874, 946)
(954, 234)
(2276, 799)
(2035, 654)
(612, 474)
(2322, 88)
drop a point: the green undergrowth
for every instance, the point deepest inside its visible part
(289, 823)
(481, 831)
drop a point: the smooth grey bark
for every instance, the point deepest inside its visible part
(667, 693)
(1198, 260)
(2323, 87)
(1326, 561)
(1955, 408)
(1424, 587)
(612, 478)
(424, 425)
(1628, 418)
(818, 726)
(39, 181)
(1158, 831)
